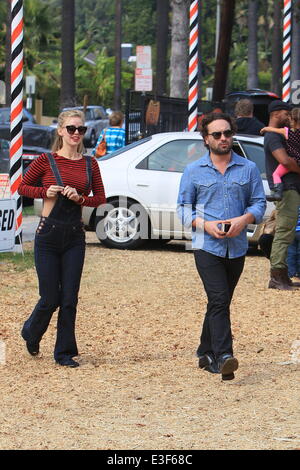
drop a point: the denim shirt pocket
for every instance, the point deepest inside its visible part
(239, 186)
(207, 191)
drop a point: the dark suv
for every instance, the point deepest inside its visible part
(259, 98)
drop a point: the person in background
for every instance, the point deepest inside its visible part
(67, 179)
(245, 121)
(114, 135)
(293, 254)
(292, 136)
(287, 208)
(219, 195)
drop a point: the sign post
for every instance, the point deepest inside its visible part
(286, 51)
(193, 66)
(143, 71)
(16, 113)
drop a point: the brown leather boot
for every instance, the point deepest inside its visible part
(279, 280)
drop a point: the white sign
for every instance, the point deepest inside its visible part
(4, 186)
(30, 85)
(143, 57)
(143, 80)
(7, 224)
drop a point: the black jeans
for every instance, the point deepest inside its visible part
(59, 256)
(220, 277)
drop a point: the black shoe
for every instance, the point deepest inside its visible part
(32, 347)
(227, 364)
(69, 362)
(207, 362)
(276, 193)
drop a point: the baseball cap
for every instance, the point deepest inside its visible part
(278, 105)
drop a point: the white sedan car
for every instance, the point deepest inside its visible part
(141, 183)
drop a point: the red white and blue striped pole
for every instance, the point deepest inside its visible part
(286, 51)
(193, 67)
(16, 113)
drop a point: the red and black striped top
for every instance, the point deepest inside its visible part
(73, 173)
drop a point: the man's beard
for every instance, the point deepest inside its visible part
(222, 151)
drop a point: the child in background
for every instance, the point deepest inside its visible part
(292, 136)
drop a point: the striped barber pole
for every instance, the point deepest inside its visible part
(16, 113)
(193, 66)
(286, 51)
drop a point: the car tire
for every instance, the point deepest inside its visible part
(93, 139)
(123, 224)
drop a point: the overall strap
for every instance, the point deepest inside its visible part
(55, 169)
(88, 160)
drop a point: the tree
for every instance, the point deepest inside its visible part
(118, 53)
(179, 49)
(252, 81)
(8, 55)
(67, 95)
(222, 62)
(162, 30)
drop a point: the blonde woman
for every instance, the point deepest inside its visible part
(67, 178)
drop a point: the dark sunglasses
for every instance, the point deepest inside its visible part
(72, 129)
(217, 135)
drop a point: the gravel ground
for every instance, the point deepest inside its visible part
(138, 385)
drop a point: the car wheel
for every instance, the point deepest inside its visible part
(122, 224)
(93, 139)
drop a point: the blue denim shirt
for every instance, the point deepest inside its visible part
(204, 192)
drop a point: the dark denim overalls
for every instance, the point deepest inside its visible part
(59, 256)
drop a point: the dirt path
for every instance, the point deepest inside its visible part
(138, 386)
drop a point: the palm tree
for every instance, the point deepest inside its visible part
(118, 59)
(8, 54)
(179, 49)
(222, 62)
(252, 81)
(67, 93)
(162, 8)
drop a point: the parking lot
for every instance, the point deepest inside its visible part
(138, 386)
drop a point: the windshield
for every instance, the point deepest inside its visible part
(124, 149)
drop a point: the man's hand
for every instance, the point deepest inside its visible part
(238, 224)
(213, 228)
(290, 163)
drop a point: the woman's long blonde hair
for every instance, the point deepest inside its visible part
(58, 141)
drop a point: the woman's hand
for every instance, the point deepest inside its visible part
(53, 190)
(71, 193)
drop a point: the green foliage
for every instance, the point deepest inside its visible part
(264, 79)
(139, 22)
(238, 77)
(2, 37)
